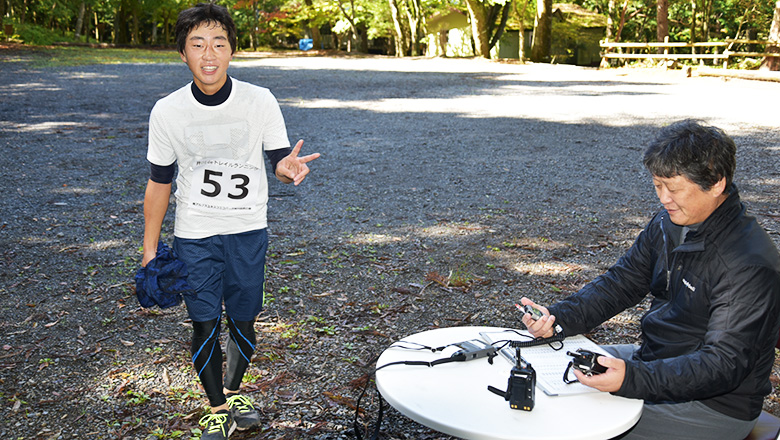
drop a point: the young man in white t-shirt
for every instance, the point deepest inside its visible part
(216, 130)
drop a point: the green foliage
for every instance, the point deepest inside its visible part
(744, 18)
(161, 433)
(263, 23)
(39, 35)
(721, 18)
(315, 319)
(380, 24)
(281, 23)
(137, 398)
(328, 330)
(642, 25)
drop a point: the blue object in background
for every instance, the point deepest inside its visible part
(305, 44)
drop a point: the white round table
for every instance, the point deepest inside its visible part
(453, 398)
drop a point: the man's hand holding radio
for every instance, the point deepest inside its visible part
(609, 381)
(541, 327)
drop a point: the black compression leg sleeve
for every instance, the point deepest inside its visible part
(240, 347)
(207, 359)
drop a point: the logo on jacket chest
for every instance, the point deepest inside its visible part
(689, 285)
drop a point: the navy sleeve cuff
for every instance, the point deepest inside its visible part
(274, 156)
(162, 174)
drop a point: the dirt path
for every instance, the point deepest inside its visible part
(446, 190)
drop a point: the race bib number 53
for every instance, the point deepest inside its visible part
(224, 185)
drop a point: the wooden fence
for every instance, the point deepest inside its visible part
(717, 51)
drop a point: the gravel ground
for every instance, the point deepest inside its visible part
(446, 190)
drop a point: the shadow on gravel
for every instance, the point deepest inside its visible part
(441, 197)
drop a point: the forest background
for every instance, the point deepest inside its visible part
(394, 27)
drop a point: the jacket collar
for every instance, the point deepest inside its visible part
(723, 215)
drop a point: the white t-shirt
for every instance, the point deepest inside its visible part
(221, 187)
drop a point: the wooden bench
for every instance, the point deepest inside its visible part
(692, 48)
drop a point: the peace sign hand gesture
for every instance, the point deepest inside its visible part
(293, 169)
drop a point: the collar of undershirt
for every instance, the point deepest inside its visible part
(216, 99)
(678, 233)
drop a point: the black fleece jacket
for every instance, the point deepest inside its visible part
(713, 324)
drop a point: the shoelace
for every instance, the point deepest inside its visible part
(214, 422)
(241, 403)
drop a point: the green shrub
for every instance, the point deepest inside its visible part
(38, 35)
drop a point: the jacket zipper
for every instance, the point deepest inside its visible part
(666, 256)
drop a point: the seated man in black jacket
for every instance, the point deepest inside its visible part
(714, 275)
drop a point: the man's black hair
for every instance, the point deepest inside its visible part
(703, 154)
(199, 14)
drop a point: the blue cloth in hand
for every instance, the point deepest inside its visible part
(163, 281)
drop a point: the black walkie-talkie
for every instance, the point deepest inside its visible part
(521, 387)
(521, 390)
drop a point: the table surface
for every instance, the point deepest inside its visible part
(453, 398)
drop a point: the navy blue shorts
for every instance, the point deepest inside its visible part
(229, 268)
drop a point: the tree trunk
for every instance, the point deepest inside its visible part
(362, 38)
(135, 37)
(79, 19)
(51, 16)
(610, 23)
(693, 21)
(622, 21)
(415, 15)
(444, 37)
(316, 38)
(414, 20)
(773, 63)
(398, 27)
(97, 28)
(120, 25)
(662, 11)
(352, 25)
(479, 25)
(521, 37)
(86, 31)
(496, 36)
(166, 29)
(542, 41)
(256, 13)
(705, 25)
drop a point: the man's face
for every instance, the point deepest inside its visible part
(685, 201)
(207, 53)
